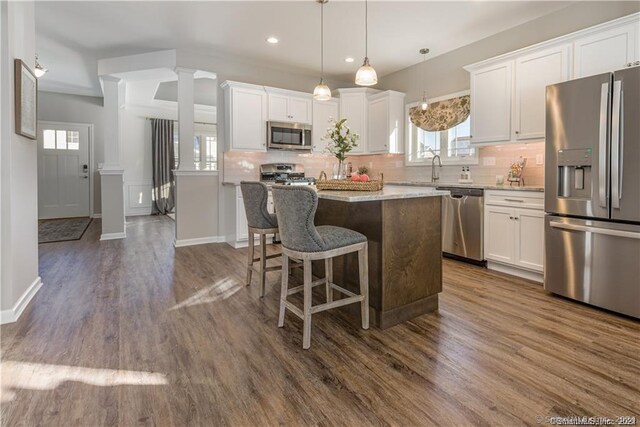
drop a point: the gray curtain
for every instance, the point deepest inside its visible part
(163, 163)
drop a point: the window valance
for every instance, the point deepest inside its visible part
(441, 115)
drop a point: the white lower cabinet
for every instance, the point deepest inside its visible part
(514, 232)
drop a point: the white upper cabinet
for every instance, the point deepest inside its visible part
(386, 122)
(508, 92)
(286, 106)
(354, 105)
(245, 117)
(323, 111)
(533, 74)
(491, 93)
(606, 51)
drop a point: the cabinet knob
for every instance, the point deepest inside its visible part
(517, 132)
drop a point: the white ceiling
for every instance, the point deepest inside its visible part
(72, 36)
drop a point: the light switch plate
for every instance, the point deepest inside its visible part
(539, 159)
(488, 161)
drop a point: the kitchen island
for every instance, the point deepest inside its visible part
(403, 227)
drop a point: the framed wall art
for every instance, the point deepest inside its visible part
(25, 93)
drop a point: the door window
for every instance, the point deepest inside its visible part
(54, 139)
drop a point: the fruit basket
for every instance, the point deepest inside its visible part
(323, 183)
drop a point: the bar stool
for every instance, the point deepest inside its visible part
(301, 239)
(261, 222)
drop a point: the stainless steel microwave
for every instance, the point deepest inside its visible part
(288, 136)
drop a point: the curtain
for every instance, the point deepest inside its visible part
(163, 160)
(441, 115)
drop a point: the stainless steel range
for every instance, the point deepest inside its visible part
(284, 173)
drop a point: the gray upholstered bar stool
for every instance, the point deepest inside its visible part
(261, 222)
(301, 239)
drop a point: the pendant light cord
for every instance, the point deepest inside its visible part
(321, 41)
(366, 29)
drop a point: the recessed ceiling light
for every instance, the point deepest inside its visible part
(348, 59)
(272, 40)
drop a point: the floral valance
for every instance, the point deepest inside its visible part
(441, 115)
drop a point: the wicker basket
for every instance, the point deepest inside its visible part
(323, 183)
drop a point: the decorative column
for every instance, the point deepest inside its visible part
(196, 190)
(111, 173)
(186, 106)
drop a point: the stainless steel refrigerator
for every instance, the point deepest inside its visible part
(592, 190)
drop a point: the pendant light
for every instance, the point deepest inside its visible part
(366, 75)
(322, 91)
(424, 104)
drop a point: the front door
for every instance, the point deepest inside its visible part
(63, 170)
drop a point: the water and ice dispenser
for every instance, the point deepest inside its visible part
(574, 173)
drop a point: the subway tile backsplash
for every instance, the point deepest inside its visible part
(493, 160)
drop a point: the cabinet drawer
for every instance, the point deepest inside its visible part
(514, 198)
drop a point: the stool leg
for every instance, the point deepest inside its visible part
(328, 270)
(263, 262)
(250, 258)
(308, 289)
(284, 287)
(363, 268)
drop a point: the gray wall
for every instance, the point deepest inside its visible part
(58, 107)
(444, 74)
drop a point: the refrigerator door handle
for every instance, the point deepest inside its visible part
(616, 115)
(602, 144)
(596, 230)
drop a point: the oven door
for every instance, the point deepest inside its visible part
(289, 136)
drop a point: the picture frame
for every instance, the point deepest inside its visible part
(26, 97)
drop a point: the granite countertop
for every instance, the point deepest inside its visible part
(389, 192)
(456, 185)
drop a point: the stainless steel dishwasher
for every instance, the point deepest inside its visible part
(463, 223)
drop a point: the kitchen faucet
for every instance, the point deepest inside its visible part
(435, 175)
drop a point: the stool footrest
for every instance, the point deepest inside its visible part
(301, 287)
(343, 290)
(295, 310)
(336, 303)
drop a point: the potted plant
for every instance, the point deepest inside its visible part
(341, 141)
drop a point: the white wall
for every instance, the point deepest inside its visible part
(18, 158)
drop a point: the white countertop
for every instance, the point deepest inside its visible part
(389, 192)
(456, 185)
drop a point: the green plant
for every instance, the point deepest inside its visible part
(363, 170)
(342, 139)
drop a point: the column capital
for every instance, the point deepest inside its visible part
(184, 70)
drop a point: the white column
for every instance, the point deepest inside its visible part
(111, 173)
(185, 118)
(113, 90)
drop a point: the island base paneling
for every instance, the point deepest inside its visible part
(405, 255)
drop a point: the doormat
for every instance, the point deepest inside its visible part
(61, 230)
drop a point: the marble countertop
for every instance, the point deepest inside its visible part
(456, 185)
(389, 192)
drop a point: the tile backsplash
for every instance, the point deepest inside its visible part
(493, 160)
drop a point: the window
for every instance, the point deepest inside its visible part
(205, 149)
(60, 139)
(452, 145)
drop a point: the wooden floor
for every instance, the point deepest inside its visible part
(135, 332)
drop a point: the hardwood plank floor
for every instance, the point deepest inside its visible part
(135, 332)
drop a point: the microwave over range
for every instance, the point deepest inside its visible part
(288, 136)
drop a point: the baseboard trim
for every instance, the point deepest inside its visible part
(237, 244)
(113, 236)
(198, 241)
(96, 215)
(515, 271)
(13, 314)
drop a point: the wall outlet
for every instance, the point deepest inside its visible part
(488, 161)
(539, 159)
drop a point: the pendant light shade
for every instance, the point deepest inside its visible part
(39, 70)
(366, 75)
(322, 91)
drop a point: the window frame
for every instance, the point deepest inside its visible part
(446, 160)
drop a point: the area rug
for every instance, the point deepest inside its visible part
(61, 230)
